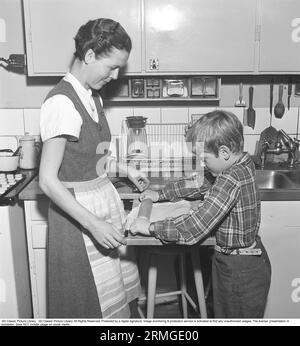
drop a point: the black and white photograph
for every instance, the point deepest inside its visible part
(149, 165)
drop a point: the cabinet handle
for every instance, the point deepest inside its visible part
(154, 64)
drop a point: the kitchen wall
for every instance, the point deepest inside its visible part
(21, 96)
(16, 122)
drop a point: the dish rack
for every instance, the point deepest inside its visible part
(166, 149)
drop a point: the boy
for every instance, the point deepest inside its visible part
(241, 270)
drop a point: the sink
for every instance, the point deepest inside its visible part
(278, 179)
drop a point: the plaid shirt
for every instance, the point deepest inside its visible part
(230, 210)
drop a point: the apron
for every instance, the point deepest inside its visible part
(114, 270)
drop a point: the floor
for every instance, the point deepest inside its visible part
(172, 309)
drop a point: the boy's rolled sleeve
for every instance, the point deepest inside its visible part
(165, 230)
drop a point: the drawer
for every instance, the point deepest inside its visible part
(39, 210)
(39, 236)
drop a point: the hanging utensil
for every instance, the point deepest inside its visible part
(279, 108)
(290, 86)
(240, 102)
(271, 96)
(250, 110)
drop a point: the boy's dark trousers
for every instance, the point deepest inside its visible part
(240, 284)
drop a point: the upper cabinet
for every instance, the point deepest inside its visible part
(280, 36)
(214, 36)
(51, 25)
(172, 37)
(181, 37)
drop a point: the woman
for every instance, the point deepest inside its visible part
(89, 273)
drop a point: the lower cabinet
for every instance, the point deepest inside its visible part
(280, 232)
(36, 227)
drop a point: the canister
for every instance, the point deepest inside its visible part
(29, 152)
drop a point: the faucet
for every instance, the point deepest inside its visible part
(290, 147)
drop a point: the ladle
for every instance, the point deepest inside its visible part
(279, 108)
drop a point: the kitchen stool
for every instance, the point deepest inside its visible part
(152, 254)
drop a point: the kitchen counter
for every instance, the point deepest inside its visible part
(280, 194)
(32, 192)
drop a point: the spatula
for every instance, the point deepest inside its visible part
(250, 110)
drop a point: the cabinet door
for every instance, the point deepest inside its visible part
(280, 36)
(200, 35)
(36, 229)
(283, 244)
(280, 232)
(51, 25)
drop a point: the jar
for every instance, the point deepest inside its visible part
(29, 152)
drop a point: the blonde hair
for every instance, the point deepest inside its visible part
(215, 129)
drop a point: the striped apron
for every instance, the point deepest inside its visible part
(114, 270)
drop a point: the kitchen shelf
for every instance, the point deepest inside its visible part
(121, 99)
(202, 88)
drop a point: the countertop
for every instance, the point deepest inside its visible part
(32, 191)
(140, 240)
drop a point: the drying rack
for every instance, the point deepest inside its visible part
(167, 149)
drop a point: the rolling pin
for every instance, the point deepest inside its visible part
(145, 209)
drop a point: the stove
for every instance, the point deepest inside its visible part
(12, 183)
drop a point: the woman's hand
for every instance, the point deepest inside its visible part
(140, 225)
(153, 195)
(138, 178)
(106, 234)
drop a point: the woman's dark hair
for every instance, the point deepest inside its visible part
(101, 35)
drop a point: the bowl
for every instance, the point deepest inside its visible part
(8, 163)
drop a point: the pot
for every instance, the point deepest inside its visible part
(8, 163)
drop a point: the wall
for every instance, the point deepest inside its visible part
(21, 96)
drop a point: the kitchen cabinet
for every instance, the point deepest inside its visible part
(279, 36)
(192, 36)
(51, 25)
(172, 37)
(36, 228)
(280, 232)
(199, 36)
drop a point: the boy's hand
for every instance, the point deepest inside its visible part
(140, 225)
(153, 195)
(138, 178)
